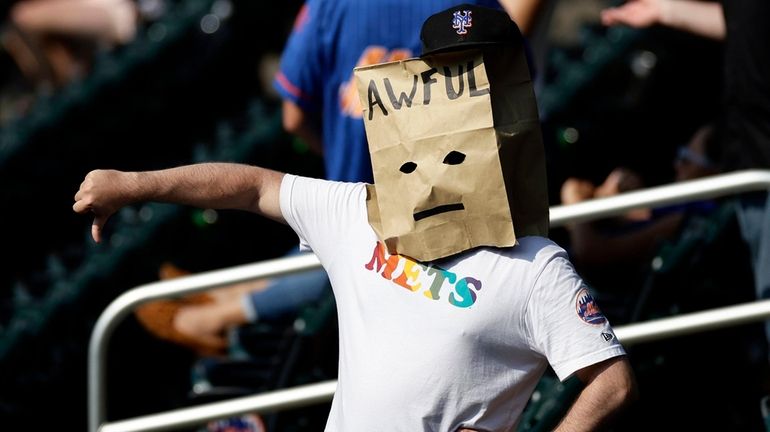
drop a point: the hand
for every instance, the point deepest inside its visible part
(575, 190)
(618, 181)
(635, 13)
(204, 324)
(103, 192)
(207, 323)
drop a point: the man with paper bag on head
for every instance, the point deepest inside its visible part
(451, 301)
(455, 165)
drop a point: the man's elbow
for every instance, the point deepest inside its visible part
(616, 377)
(627, 394)
(626, 390)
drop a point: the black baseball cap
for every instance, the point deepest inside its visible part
(467, 26)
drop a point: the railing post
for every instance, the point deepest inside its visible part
(97, 357)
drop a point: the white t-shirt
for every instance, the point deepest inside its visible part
(459, 342)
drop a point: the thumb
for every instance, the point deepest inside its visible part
(96, 228)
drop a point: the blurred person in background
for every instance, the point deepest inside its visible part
(53, 42)
(745, 123)
(329, 39)
(704, 18)
(635, 235)
(621, 248)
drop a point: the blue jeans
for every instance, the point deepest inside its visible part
(288, 294)
(753, 213)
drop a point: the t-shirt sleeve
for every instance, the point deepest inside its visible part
(299, 75)
(323, 213)
(564, 321)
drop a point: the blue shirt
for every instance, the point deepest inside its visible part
(329, 39)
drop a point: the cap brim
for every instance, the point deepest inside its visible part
(459, 46)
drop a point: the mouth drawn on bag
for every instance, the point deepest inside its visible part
(438, 210)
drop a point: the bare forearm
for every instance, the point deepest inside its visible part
(522, 12)
(591, 412)
(703, 18)
(592, 247)
(610, 388)
(210, 185)
(110, 21)
(207, 185)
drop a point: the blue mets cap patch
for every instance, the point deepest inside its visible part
(587, 309)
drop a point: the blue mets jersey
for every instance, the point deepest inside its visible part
(329, 39)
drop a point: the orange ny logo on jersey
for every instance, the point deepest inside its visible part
(350, 105)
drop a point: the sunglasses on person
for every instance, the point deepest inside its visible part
(687, 156)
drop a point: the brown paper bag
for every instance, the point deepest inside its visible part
(456, 165)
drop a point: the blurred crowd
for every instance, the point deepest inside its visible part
(632, 95)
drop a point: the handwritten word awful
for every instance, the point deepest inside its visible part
(398, 99)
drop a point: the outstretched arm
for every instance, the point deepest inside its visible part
(108, 22)
(522, 12)
(609, 387)
(703, 18)
(207, 185)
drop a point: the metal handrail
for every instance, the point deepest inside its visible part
(712, 187)
(126, 302)
(301, 396)
(296, 397)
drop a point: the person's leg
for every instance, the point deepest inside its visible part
(204, 320)
(286, 294)
(753, 214)
(762, 269)
(754, 221)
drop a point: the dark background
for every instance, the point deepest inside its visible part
(632, 97)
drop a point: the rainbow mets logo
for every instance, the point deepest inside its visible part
(587, 309)
(461, 21)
